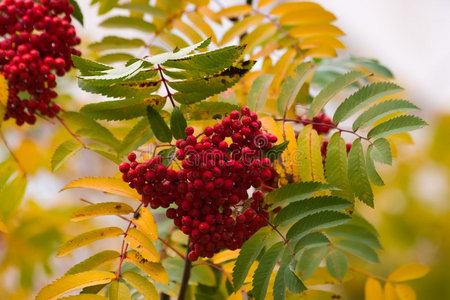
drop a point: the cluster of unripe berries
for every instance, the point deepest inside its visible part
(208, 196)
(37, 43)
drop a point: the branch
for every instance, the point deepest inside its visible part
(186, 275)
(368, 274)
(71, 132)
(164, 80)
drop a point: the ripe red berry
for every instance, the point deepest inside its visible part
(132, 156)
(189, 131)
(124, 167)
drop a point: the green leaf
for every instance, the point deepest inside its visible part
(357, 174)
(207, 63)
(94, 261)
(105, 151)
(358, 249)
(64, 152)
(158, 125)
(90, 128)
(293, 283)
(248, 254)
(279, 285)
(381, 151)
(194, 90)
(337, 264)
(121, 109)
(140, 283)
(119, 291)
(128, 22)
(167, 155)
(257, 97)
(88, 67)
(111, 58)
(310, 261)
(264, 270)
(137, 136)
(129, 89)
(328, 92)
(291, 87)
(298, 210)
(373, 65)
(178, 123)
(324, 219)
(145, 8)
(371, 170)
(294, 192)
(115, 42)
(106, 5)
(362, 98)
(163, 57)
(313, 239)
(380, 110)
(336, 166)
(396, 125)
(12, 190)
(206, 109)
(275, 152)
(77, 14)
(355, 232)
(110, 76)
(203, 275)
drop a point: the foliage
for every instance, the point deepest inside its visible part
(192, 78)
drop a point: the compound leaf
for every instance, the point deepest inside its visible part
(396, 125)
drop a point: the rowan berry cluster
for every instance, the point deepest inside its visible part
(210, 191)
(37, 43)
(320, 123)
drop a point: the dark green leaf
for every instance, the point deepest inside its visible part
(358, 249)
(311, 240)
(294, 192)
(264, 270)
(138, 135)
(178, 124)
(132, 89)
(64, 152)
(357, 174)
(396, 125)
(275, 152)
(362, 98)
(310, 261)
(293, 283)
(328, 92)
(167, 155)
(381, 151)
(77, 14)
(128, 22)
(380, 110)
(158, 125)
(248, 254)
(355, 232)
(371, 170)
(115, 42)
(324, 219)
(337, 264)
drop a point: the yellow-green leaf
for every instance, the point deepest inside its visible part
(145, 222)
(87, 238)
(389, 292)
(373, 289)
(94, 261)
(74, 282)
(405, 292)
(155, 270)
(140, 283)
(101, 209)
(84, 297)
(408, 272)
(105, 184)
(241, 27)
(310, 158)
(119, 291)
(235, 11)
(138, 241)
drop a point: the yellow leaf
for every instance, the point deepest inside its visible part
(310, 158)
(3, 227)
(307, 16)
(28, 155)
(105, 184)
(235, 11)
(405, 292)
(101, 209)
(373, 290)
(209, 13)
(408, 272)
(87, 238)
(265, 50)
(74, 282)
(310, 30)
(389, 292)
(188, 31)
(291, 6)
(315, 41)
(321, 52)
(84, 297)
(241, 27)
(262, 3)
(199, 22)
(93, 262)
(154, 270)
(258, 36)
(172, 40)
(235, 296)
(4, 92)
(140, 283)
(142, 244)
(281, 67)
(145, 222)
(225, 255)
(119, 291)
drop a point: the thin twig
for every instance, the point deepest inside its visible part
(368, 274)
(71, 132)
(186, 275)
(171, 248)
(164, 80)
(22, 169)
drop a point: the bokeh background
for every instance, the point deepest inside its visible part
(412, 212)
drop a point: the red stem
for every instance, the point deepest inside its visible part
(164, 80)
(70, 131)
